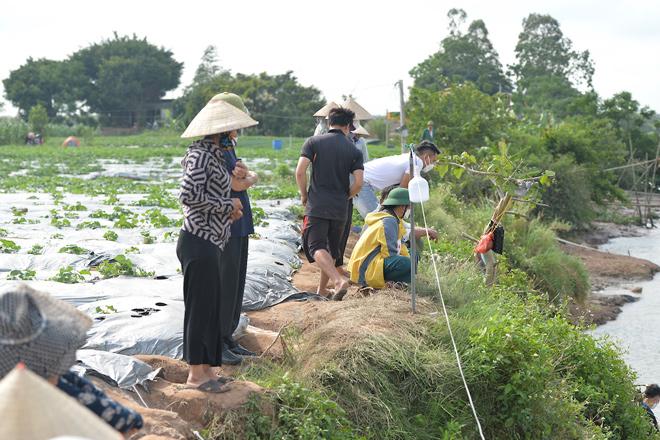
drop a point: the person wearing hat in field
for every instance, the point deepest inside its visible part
(429, 132)
(43, 333)
(379, 255)
(233, 264)
(333, 158)
(208, 210)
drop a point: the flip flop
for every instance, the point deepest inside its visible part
(210, 386)
(223, 380)
(339, 295)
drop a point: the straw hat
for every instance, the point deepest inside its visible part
(325, 110)
(359, 129)
(33, 409)
(360, 113)
(218, 116)
(40, 331)
(233, 99)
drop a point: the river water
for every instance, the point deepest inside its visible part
(636, 328)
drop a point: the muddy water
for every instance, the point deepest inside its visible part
(636, 328)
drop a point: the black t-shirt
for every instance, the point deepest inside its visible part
(334, 158)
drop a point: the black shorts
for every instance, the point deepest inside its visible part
(322, 233)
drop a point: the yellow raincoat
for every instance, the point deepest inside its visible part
(380, 240)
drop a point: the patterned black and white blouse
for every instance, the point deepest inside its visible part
(206, 193)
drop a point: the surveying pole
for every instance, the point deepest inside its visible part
(413, 240)
(402, 116)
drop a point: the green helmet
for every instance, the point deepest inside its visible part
(233, 99)
(397, 197)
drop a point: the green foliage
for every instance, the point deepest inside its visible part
(147, 238)
(77, 207)
(465, 118)
(38, 118)
(36, 249)
(159, 197)
(259, 216)
(463, 57)
(27, 274)
(278, 102)
(301, 413)
(160, 220)
(121, 265)
(68, 275)
(8, 246)
(12, 131)
(126, 221)
(88, 225)
(73, 249)
(106, 310)
(110, 235)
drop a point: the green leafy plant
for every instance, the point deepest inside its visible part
(18, 212)
(160, 220)
(26, 275)
(110, 236)
(57, 236)
(8, 246)
(259, 216)
(36, 249)
(105, 310)
(88, 225)
(3, 232)
(73, 249)
(121, 265)
(77, 207)
(68, 275)
(147, 238)
(133, 250)
(126, 222)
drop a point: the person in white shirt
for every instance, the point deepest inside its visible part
(391, 171)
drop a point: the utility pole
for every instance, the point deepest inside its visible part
(402, 116)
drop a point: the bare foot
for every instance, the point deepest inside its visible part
(341, 290)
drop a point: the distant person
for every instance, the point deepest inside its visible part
(233, 263)
(333, 158)
(358, 134)
(321, 126)
(650, 402)
(208, 211)
(379, 255)
(44, 333)
(30, 139)
(429, 132)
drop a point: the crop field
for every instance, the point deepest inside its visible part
(66, 212)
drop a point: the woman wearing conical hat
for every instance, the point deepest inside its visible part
(208, 210)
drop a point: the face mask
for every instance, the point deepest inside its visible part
(406, 215)
(428, 168)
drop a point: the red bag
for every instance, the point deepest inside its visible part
(485, 244)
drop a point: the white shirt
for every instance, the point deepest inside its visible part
(389, 170)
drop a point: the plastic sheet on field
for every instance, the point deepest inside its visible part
(125, 371)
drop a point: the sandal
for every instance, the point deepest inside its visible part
(210, 386)
(223, 380)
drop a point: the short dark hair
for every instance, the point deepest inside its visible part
(428, 146)
(652, 391)
(341, 117)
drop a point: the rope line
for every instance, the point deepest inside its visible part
(451, 333)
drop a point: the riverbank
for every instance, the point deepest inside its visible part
(607, 270)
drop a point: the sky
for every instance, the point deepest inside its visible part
(345, 47)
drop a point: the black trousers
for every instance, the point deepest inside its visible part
(339, 262)
(233, 269)
(202, 295)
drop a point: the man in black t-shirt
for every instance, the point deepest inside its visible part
(333, 158)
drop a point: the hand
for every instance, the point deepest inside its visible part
(240, 170)
(303, 199)
(236, 214)
(236, 204)
(433, 234)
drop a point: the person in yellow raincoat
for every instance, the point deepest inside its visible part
(379, 255)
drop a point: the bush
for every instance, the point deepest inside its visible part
(12, 131)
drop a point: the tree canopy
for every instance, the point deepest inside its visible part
(115, 78)
(464, 56)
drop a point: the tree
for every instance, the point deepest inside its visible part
(465, 118)
(38, 119)
(280, 104)
(548, 72)
(46, 82)
(463, 56)
(209, 67)
(123, 75)
(635, 125)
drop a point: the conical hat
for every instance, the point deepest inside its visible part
(360, 113)
(33, 409)
(325, 110)
(359, 129)
(217, 116)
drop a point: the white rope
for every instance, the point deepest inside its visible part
(444, 309)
